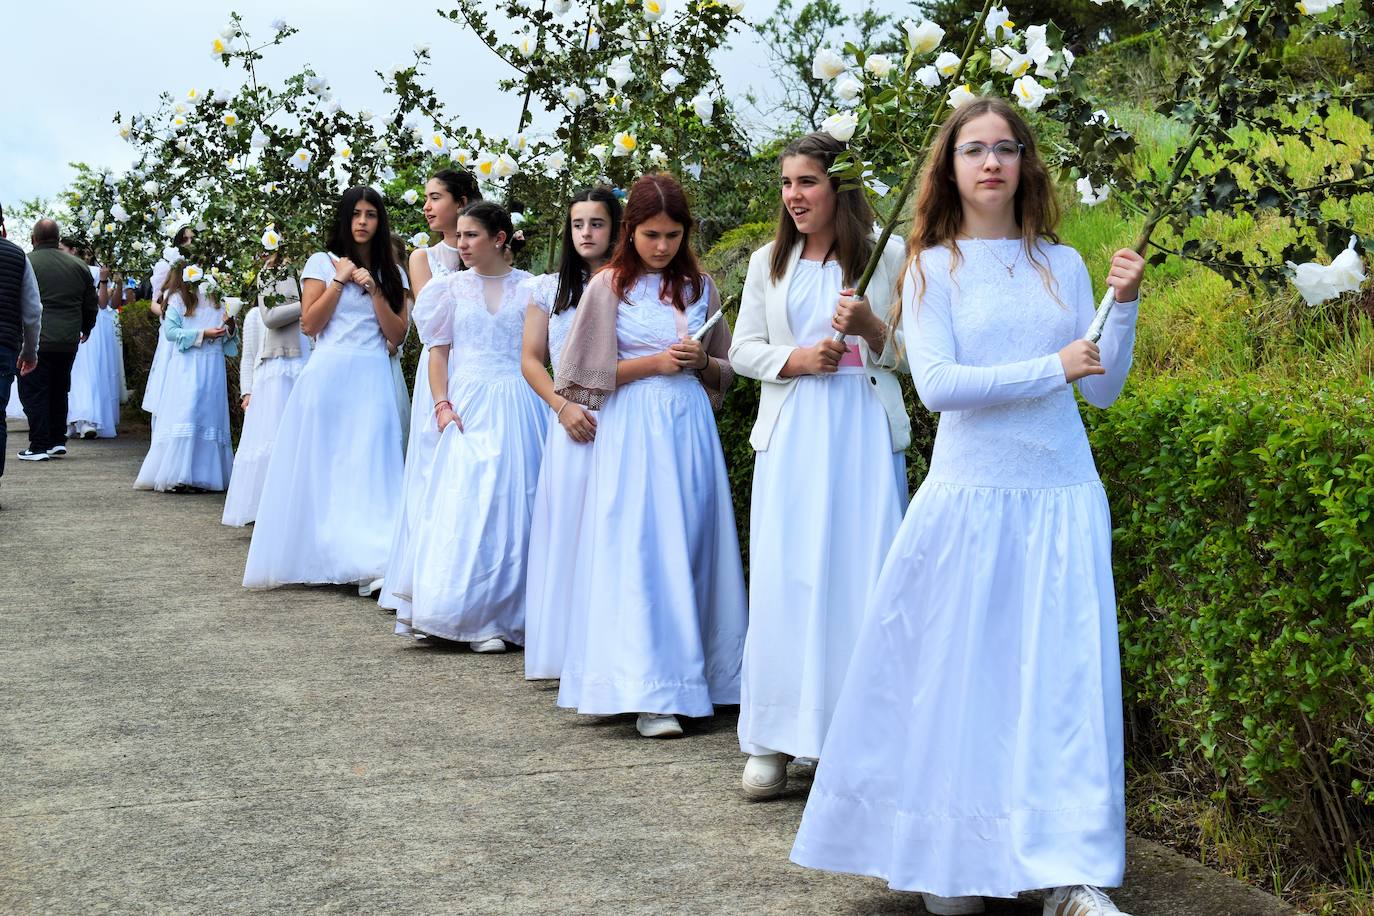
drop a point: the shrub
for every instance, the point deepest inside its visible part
(1244, 561)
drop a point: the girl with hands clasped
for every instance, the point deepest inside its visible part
(589, 235)
(191, 447)
(464, 571)
(333, 485)
(976, 749)
(829, 473)
(446, 194)
(656, 609)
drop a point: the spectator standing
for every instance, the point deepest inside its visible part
(21, 311)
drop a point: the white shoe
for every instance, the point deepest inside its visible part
(369, 587)
(952, 906)
(487, 646)
(654, 725)
(765, 775)
(1079, 900)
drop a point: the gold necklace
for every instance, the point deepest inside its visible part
(1011, 268)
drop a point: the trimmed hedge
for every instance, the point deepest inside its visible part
(1244, 561)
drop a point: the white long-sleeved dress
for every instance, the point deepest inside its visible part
(658, 613)
(152, 390)
(464, 575)
(977, 745)
(96, 389)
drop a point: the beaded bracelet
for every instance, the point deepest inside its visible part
(440, 405)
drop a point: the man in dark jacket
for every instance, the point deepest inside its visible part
(69, 309)
(21, 312)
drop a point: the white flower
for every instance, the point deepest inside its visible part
(657, 157)
(170, 254)
(517, 219)
(109, 228)
(259, 139)
(736, 6)
(301, 159)
(126, 128)
(279, 24)
(653, 10)
(435, 142)
(600, 151)
(1088, 194)
(924, 36)
(841, 125)
(998, 18)
(229, 30)
(1036, 35)
(119, 213)
(827, 65)
(232, 306)
(555, 163)
(947, 63)
(848, 89)
(574, 95)
(486, 164)
(526, 45)
(179, 122)
(960, 95)
(180, 108)
(672, 78)
(620, 72)
(593, 39)
(560, 7)
(880, 65)
(1316, 8)
(421, 48)
(317, 85)
(693, 169)
(623, 144)
(269, 188)
(150, 188)
(419, 240)
(183, 146)
(229, 119)
(505, 166)
(928, 76)
(193, 96)
(1030, 95)
(365, 115)
(191, 273)
(410, 196)
(519, 142)
(462, 156)
(344, 151)
(1010, 61)
(220, 46)
(1318, 283)
(704, 106)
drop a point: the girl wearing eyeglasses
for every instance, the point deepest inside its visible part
(976, 749)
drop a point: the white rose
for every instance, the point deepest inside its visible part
(928, 76)
(1036, 35)
(192, 273)
(232, 306)
(601, 151)
(259, 139)
(848, 89)
(193, 96)
(1088, 194)
(924, 36)
(574, 95)
(1316, 8)
(279, 24)
(620, 72)
(119, 213)
(560, 7)
(960, 95)
(410, 196)
(229, 119)
(736, 6)
(947, 63)
(419, 240)
(653, 10)
(220, 46)
(300, 159)
(672, 78)
(704, 106)
(526, 46)
(657, 157)
(1029, 94)
(827, 65)
(421, 48)
(486, 164)
(462, 156)
(623, 144)
(841, 125)
(171, 255)
(1010, 61)
(998, 18)
(150, 188)
(593, 39)
(880, 65)
(555, 163)
(505, 166)
(1318, 283)
(435, 142)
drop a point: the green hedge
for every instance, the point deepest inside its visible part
(1244, 561)
(139, 329)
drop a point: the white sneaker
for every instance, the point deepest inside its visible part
(368, 587)
(952, 906)
(487, 646)
(1079, 900)
(765, 775)
(655, 725)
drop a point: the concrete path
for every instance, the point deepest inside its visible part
(170, 742)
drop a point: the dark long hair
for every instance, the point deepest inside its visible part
(937, 213)
(651, 195)
(494, 219)
(572, 267)
(179, 240)
(853, 214)
(460, 184)
(381, 257)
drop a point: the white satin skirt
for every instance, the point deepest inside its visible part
(273, 380)
(191, 443)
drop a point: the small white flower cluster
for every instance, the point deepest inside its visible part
(1320, 282)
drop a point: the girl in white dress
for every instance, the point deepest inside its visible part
(191, 447)
(657, 611)
(589, 235)
(465, 570)
(275, 351)
(93, 405)
(333, 487)
(181, 247)
(446, 194)
(976, 750)
(830, 475)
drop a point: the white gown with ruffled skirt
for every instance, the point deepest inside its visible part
(152, 389)
(93, 401)
(465, 569)
(556, 525)
(333, 487)
(977, 745)
(658, 613)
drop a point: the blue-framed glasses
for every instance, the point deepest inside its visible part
(976, 153)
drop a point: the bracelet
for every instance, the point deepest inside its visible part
(440, 405)
(338, 281)
(559, 412)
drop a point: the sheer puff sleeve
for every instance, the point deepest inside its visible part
(433, 312)
(539, 291)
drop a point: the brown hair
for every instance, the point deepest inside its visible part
(853, 214)
(937, 214)
(651, 195)
(176, 283)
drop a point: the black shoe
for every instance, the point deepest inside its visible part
(29, 454)
(57, 451)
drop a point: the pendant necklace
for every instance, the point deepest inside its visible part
(1011, 268)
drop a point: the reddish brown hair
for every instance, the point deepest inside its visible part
(651, 195)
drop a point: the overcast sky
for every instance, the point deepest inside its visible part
(71, 65)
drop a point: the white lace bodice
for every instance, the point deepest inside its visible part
(354, 323)
(452, 309)
(542, 290)
(984, 350)
(443, 259)
(645, 325)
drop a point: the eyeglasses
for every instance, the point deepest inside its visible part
(975, 153)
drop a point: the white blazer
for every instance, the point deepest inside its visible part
(763, 341)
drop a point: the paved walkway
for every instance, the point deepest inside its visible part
(173, 743)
